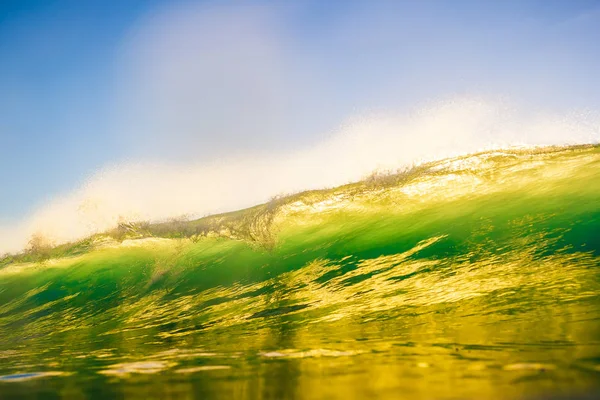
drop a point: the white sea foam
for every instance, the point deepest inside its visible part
(154, 191)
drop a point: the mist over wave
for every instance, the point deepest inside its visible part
(384, 141)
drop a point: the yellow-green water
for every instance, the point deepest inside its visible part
(477, 278)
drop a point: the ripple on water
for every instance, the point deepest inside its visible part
(182, 353)
(528, 367)
(291, 353)
(191, 370)
(30, 375)
(8, 354)
(141, 367)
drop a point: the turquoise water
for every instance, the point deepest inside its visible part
(476, 277)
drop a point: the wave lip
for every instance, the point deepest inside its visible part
(159, 191)
(442, 180)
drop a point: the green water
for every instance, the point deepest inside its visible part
(478, 278)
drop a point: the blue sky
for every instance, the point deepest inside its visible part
(85, 84)
(55, 75)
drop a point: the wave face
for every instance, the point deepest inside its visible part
(472, 277)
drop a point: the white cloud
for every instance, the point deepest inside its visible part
(199, 81)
